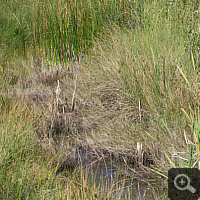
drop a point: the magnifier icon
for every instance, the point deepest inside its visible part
(182, 182)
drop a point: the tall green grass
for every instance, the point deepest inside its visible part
(68, 28)
(16, 25)
(62, 28)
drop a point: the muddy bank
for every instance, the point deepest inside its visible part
(79, 156)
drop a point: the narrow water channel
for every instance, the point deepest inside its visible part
(113, 182)
(110, 177)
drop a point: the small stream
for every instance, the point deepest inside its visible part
(111, 180)
(110, 177)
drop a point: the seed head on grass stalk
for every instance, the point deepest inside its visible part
(57, 92)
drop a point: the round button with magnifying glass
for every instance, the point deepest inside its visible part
(182, 182)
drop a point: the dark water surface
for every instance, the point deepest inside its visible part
(112, 181)
(110, 177)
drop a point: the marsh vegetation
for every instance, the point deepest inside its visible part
(116, 79)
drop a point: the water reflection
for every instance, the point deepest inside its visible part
(113, 182)
(110, 177)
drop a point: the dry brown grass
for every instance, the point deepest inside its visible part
(98, 121)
